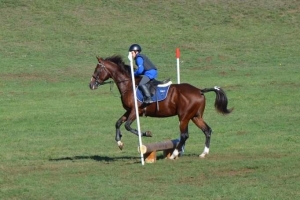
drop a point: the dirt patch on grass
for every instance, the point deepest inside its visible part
(234, 172)
(198, 180)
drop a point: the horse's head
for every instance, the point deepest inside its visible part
(100, 75)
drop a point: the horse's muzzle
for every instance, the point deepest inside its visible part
(93, 86)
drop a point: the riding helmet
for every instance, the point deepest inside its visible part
(135, 47)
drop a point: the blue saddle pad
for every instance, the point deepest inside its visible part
(160, 94)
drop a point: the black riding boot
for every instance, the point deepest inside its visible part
(146, 93)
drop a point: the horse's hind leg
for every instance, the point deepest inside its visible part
(184, 135)
(207, 132)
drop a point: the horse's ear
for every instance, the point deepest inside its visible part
(99, 58)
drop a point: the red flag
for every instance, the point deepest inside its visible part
(177, 53)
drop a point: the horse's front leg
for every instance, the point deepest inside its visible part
(118, 131)
(134, 131)
(128, 123)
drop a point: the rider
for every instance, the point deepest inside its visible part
(144, 67)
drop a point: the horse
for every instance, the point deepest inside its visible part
(184, 100)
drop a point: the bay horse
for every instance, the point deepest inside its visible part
(183, 100)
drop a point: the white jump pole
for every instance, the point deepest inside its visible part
(178, 79)
(136, 108)
(178, 69)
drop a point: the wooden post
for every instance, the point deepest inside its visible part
(150, 157)
(160, 146)
(149, 150)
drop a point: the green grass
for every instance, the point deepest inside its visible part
(57, 136)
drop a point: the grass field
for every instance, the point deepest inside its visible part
(57, 136)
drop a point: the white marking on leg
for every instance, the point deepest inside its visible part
(174, 154)
(205, 152)
(119, 143)
(182, 149)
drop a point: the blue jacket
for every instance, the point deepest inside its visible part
(145, 67)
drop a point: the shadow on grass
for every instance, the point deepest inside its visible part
(108, 159)
(97, 158)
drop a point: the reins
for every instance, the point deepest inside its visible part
(110, 82)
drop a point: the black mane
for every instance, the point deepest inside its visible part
(117, 59)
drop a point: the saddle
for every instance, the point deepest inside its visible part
(158, 90)
(153, 84)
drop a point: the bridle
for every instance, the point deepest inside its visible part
(96, 77)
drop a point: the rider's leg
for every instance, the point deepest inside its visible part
(145, 90)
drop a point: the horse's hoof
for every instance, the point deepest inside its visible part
(174, 155)
(173, 158)
(120, 145)
(148, 134)
(202, 155)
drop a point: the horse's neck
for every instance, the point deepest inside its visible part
(123, 83)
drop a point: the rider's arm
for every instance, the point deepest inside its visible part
(140, 64)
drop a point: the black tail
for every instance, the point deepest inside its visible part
(221, 101)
